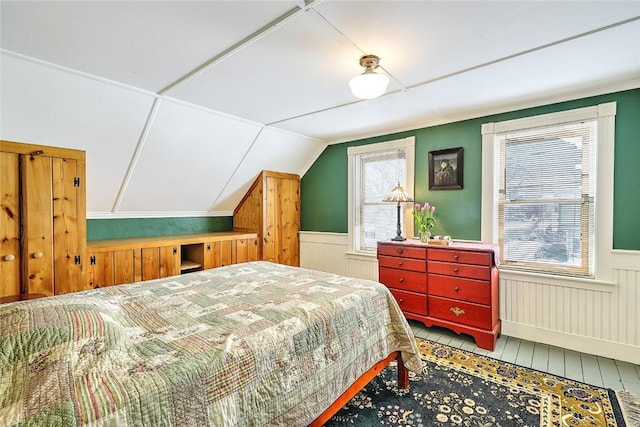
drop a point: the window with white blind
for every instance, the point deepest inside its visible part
(547, 190)
(374, 170)
(546, 198)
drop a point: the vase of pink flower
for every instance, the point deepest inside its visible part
(424, 217)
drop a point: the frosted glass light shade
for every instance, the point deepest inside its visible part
(369, 85)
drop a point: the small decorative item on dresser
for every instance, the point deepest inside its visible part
(423, 216)
(441, 240)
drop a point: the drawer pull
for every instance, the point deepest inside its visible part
(9, 257)
(401, 279)
(455, 270)
(399, 251)
(401, 300)
(457, 311)
(456, 288)
(456, 256)
(400, 263)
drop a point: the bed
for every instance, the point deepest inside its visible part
(249, 344)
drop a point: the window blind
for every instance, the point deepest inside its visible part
(547, 198)
(379, 173)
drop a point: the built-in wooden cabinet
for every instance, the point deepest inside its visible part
(42, 220)
(455, 287)
(271, 208)
(120, 261)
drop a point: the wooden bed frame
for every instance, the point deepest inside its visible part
(403, 382)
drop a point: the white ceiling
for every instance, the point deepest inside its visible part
(180, 104)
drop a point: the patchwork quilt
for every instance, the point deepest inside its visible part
(244, 345)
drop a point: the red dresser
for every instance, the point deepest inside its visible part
(454, 286)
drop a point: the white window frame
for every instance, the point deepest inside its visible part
(407, 144)
(603, 257)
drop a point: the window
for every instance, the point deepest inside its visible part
(374, 170)
(546, 190)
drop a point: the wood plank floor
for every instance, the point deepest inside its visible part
(587, 368)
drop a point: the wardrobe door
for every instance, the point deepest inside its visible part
(9, 224)
(282, 220)
(68, 219)
(271, 221)
(37, 223)
(290, 221)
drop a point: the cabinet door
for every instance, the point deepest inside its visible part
(37, 222)
(102, 269)
(169, 261)
(246, 250)
(218, 253)
(290, 208)
(156, 262)
(252, 250)
(68, 224)
(149, 263)
(241, 251)
(124, 266)
(111, 268)
(10, 255)
(282, 221)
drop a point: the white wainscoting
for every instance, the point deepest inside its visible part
(601, 319)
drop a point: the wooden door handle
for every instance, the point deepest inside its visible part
(9, 257)
(38, 255)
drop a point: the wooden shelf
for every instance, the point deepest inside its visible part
(189, 265)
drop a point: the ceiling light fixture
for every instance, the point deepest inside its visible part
(369, 84)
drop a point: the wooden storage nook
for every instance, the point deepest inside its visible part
(120, 261)
(455, 286)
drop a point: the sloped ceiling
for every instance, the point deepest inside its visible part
(179, 105)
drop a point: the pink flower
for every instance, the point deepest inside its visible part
(423, 215)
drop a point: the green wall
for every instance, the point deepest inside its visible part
(98, 229)
(324, 186)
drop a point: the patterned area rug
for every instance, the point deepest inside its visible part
(459, 388)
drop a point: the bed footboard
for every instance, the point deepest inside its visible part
(403, 382)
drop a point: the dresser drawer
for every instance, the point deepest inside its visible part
(410, 302)
(403, 280)
(464, 313)
(457, 288)
(460, 270)
(402, 251)
(411, 264)
(463, 257)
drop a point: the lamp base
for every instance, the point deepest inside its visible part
(399, 239)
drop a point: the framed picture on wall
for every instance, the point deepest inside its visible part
(445, 169)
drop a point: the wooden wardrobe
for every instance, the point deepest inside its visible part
(271, 208)
(42, 220)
